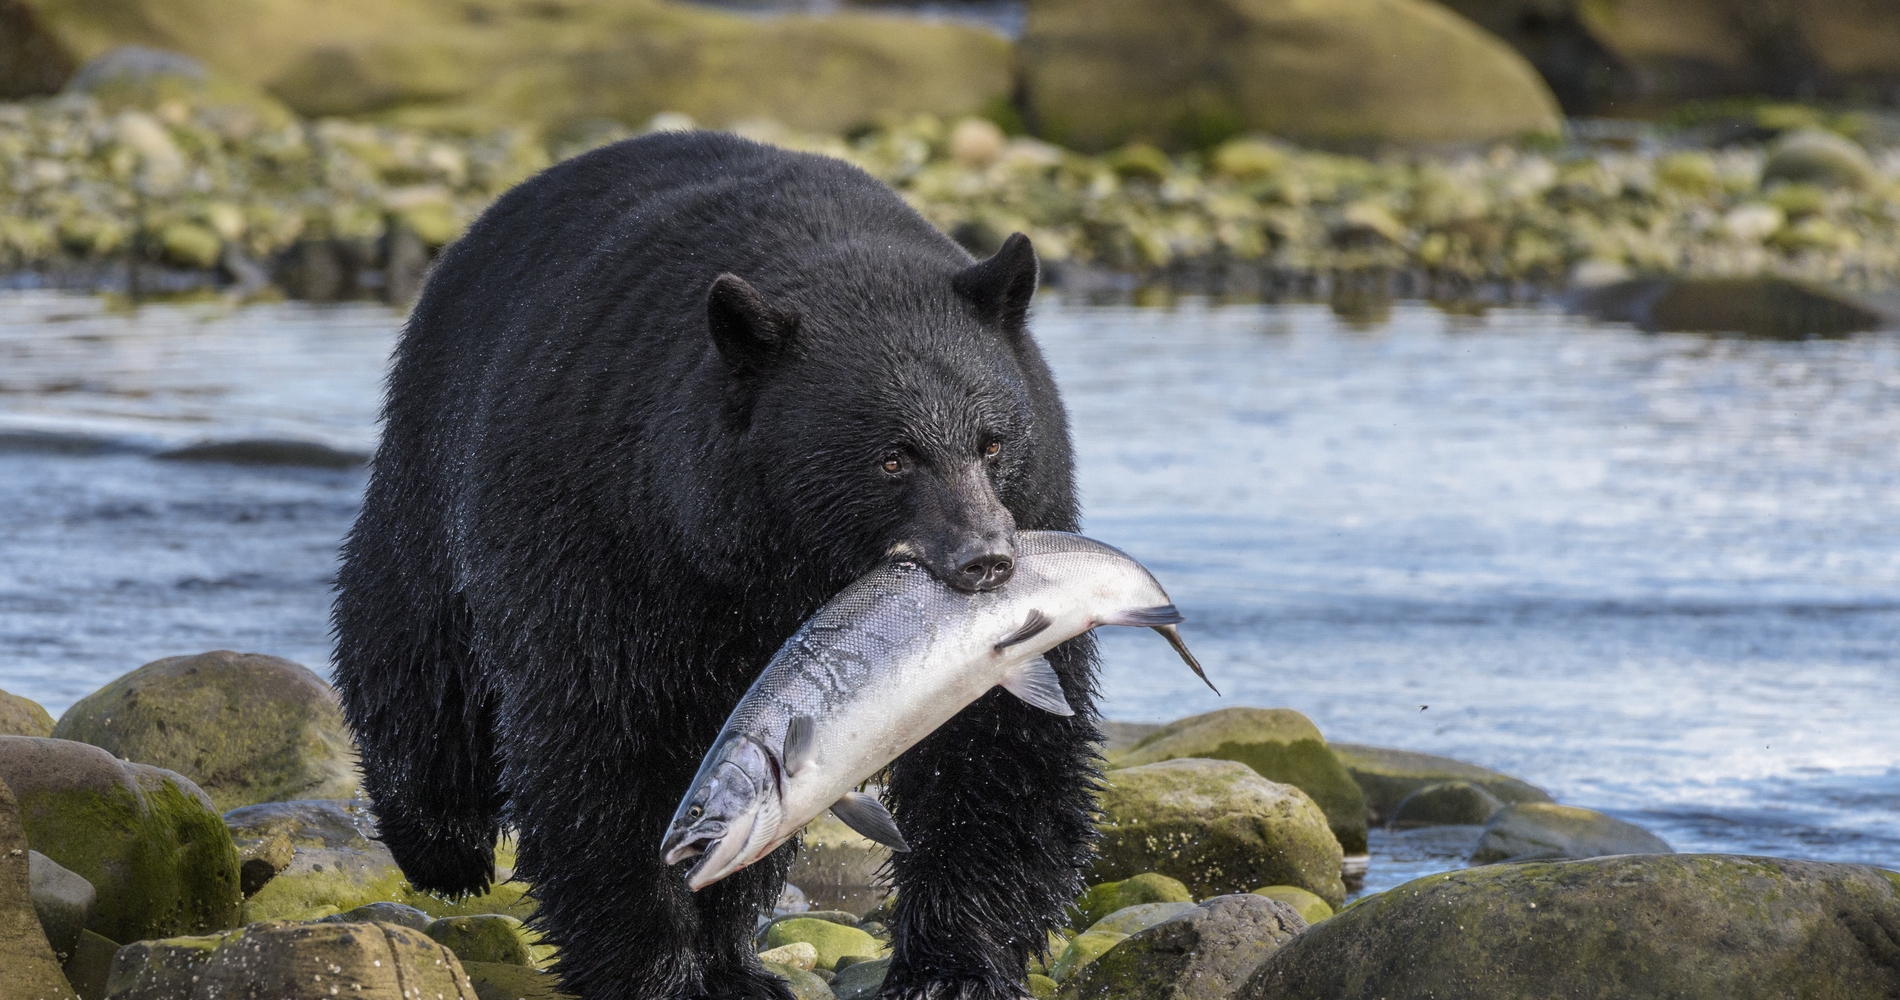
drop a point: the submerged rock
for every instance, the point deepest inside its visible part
(1216, 826)
(21, 717)
(147, 839)
(246, 727)
(1204, 954)
(1453, 803)
(1542, 830)
(1759, 306)
(32, 970)
(268, 451)
(1280, 745)
(1684, 927)
(1111, 897)
(1387, 776)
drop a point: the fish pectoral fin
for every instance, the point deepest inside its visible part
(1035, 682)
(1032, 626)
(798, 744)
(865, 814)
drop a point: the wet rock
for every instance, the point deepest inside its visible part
(1824, 159)
(1086, 948)
(838, 867)
(1387, 776)
(146, 838)
(861, 981)
(285, 961)
(1540, 830)
(388, 913)
(20, 717)
(1204, 954)
(247, 728)
(1110, 897)
(268, 451)
(1042, 987)
(1453, 803)
(805, 984)
(1686, 927)
(1311, 908)
(798, 955)
(90, 967)
(1134, 919)
(1216, 826)
(484, 937)
(1280, 745)
(831, 941)
(515, 982)
(1098, 75)
(1759, 306)
(63, 899)
(32, 970)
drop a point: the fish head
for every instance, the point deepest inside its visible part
(730, 818)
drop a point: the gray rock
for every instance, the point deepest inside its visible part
(1545, 830)
(131, 64)
(286, 961)
(1454, 803)
(1203, 954)
(1764, 306)
(385, 913)
(31, 969)
(63, 899)
(1387, 776)
(860, 981)
(1140, 917)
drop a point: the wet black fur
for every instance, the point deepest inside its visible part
(588, 529)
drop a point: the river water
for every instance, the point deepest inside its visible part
(1657, 575)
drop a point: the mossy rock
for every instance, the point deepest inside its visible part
(146, 838)
(31, 968)
(1188, 75)
(1685, 927)
(1218, 827)
(276, 959)
(805, 985)
(1311, 908)
(247, 728)
(485, 937)
(1109, 897)
(1202, 954)
(494, 981)
(1138, 918)
(1548, 830)
(1824, 159)
(1280, 745)
(1387, 776)
(1452, 803)
(832, 940)
(21, 717)
(1042, 987)
(1086, 948)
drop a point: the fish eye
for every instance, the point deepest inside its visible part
(695, 812)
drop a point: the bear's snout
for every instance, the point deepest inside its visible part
(982, 563)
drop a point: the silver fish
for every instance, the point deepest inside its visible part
(879, 667)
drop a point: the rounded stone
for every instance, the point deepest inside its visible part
(1137, 918)
(32, 969)
(831, 941)
(1108, 897)
(1821, 158)
(1084, 949)
(1311, 908)
(805, 984)
(1685, 927)
(247, 728)
(1387, 776)
(798, 954)
(63, 899)
(21, 717)
(861, 981)
(1216, 826)
(1205, 953)
(1544, 830)
(1453, 803)
(484, 937)
(289, 961)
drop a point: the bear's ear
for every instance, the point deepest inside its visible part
(1000, 288)
(748, 331)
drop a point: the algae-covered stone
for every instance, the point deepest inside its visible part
(1042, 987)
(1387, 776)
(1218, 827)
(832, 941)
(861, 981)
(1453, 803)
(386, 913)
(837, 866)
(63, 899)
(1192, 73)
(1280, 745)
(484, 937)
(1686, 927)
(1137, 918)
(1311, 908)
(318, 961)
(21, 717)
(493, 981)
(1824, 159)
(146, 838)
(1547, 830)
(1084, 949)
(31, 969)
(1203, 954)
(164, 968)
(798, 955)
(246, 727)
(804, 983)
(1108, 897)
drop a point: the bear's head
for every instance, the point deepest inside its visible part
(901, 411)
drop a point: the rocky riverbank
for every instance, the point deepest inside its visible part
(1228, 840)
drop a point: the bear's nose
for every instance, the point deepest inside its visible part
(986, 569)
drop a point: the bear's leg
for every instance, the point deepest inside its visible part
(995, 806)
(591, 793)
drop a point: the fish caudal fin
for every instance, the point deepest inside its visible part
(1035, 682)
(865, 814)
(1173, 635)
(798, 745)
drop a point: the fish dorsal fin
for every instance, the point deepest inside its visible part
(798, 744)
(865, 814)
(1035, 682)
(1032, 626)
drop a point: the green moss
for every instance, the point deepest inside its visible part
(488, 937)
(833, 941)
(1043, 987)
(22, 717)
(1108, 897)
(1084, 949)
(290, 895)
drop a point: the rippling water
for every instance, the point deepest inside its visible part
(1658, 575)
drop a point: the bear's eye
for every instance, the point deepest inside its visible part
(993, 449)
(893, 464)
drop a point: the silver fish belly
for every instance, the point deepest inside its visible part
(879, 667)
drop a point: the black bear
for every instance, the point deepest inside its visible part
(659, 404)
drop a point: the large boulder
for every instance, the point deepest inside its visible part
(1544, 830)
(1101, 73)
(1686, 927)
(147, 839)
(285, 961)
(246, 727)
(31, 969)
(1216, 826)
(1205, 953)
(21, 717)
(1280, 745)
(830, 940)
(1453, 803)
(1387, 776)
